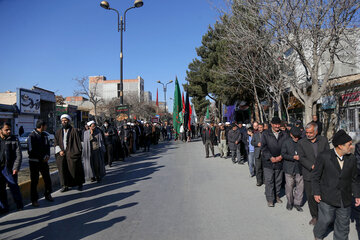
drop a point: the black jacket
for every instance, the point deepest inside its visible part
(271, 147)
(39, 145)
(234, 136)
(255, 140)
(112, 134)
(212, 135)
(332, 183)
(307, 155)
(10, 153)
(288, 151)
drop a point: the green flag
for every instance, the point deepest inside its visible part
(177, 108)
(207, 114)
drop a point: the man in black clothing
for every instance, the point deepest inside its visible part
(271, 143)
(209, 139)
(294, 187)
(308, 149)
(39, 155)
(242, 143)
(335, 181)
(110, 134)
(256, 142)
(10, 162)
(319, 124)
(147, 136)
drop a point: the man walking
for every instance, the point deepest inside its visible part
(335, 181)
(223, 147)
(234, 138)
(256, 142)
(110, 135)
(39, 155)
(308, 150)
(10, 162)
(93, 153)
(294, 187)
(68, 151)
(209, 139)
(272, 141)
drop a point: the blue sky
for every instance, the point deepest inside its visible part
(49, 43)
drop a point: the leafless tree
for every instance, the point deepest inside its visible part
(304, 40)
(141, 110)
(319, 35)
(89, 91)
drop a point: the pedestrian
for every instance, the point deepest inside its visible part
(294, 187)
(147, 136)
(234, 138)
(256, 142)
(209, 139)
(243, 142)
(335, 181)
(308, 150)
(21, 130)
(250, 152)
(93, 153)
(182, 132)
(272, 141)
(320, 125)
(110, 134)
(68, 151)
(39, 155)
(10, 163)
(223, 147)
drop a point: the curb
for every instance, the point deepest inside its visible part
(26, 192)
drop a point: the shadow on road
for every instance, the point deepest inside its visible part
(97, 201)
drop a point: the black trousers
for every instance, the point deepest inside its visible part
(43, 168)
(208, 144)
(259, 170)
(313, 205)
(273, 181)
(329, 214)
(109, 154)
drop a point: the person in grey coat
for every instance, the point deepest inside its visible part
(256, 142)
(93, 153)
(234, 138)
(294, 187)
(309, 148)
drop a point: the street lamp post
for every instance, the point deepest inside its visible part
(164, 87)
(121, 29)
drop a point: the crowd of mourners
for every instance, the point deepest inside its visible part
(80, 154)
(277, 154)
(300, 158)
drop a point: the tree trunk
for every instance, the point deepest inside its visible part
(257, 106)
(278, 102)
(286, 108)
(308, 111)
(256, 111)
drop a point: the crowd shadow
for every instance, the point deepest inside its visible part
(96, 201)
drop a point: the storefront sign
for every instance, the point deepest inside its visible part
(328, 102)
(28, 101)
(348, 98)
(122, 112)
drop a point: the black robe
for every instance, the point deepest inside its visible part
(71, 170)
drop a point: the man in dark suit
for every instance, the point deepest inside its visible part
(209, 139)
(335, 181)
(308, 150)
(271, 143)
(256, 142)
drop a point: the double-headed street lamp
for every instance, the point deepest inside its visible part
(121, 29)
(164, 87)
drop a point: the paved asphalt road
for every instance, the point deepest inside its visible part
(170, 193)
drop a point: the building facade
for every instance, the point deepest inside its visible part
(110, 89)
